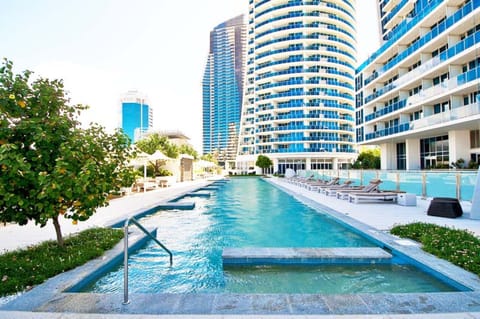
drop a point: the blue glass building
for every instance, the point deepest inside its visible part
(136, 115)
(417, 96)
(298, 106)
(222, 88)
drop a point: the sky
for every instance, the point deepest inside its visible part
(103, 48)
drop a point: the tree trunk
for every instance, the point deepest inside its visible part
(56, 224)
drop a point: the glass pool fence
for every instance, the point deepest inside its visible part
(458, 184)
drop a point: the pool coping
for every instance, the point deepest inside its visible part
(53, 295)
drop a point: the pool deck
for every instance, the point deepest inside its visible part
(373, 218)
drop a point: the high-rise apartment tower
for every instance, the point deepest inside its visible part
(136, 115)
(418, 94)
(222, 88)
(298, 106)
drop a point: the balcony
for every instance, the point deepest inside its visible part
(448, 116)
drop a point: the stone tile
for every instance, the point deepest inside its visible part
(270, 304)
(308, 304)
(233, 304)
(346, 304)
(195, 304)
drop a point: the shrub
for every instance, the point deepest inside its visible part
(22, 269)
(460, 247)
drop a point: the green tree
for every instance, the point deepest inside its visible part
(49, 165)
(209, 158)
(263, 162)
(154, 142)
(187, 149)
(369, 159)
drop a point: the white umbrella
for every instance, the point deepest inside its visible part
(158, 156)
(141, 159)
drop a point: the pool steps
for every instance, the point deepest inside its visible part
(209, 188)
(198, 194)
(307, 256)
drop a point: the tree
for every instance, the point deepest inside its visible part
(49, 165)
(210, 158)
(369, 159)
(155, 142)
(263, 162)
(187, 149)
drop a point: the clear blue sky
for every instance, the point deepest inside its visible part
(102, 48)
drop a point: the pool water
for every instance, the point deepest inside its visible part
(249, 212)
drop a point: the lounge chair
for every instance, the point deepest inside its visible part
(125, 190)
(371, 187)
(313, 185)
(332, 191)
(297, 180)
(337, 187)
(380, 195)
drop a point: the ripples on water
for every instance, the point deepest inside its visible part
(251, 213)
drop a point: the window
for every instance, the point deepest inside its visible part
(434, 152)
(439, 50)
(401, 156)
(415, 65)
(475, 139)
(415, 90)
(437, 80)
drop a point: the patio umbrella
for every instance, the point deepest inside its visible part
(158, 156)
(141, 159)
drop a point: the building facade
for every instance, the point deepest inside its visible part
(298, 107)
(222, 89)
(418, 94)
(136, 115)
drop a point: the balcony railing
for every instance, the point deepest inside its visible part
(444, 117)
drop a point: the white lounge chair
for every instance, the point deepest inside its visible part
(371, 187)
(375, 196)
(344, 185)
(312, 185)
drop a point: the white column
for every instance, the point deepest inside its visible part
(459, 145)
(275, 165)
(308, 163)
(388, 156)
(335, 163)
(413, 154)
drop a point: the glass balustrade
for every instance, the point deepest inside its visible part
(458, 184)
(436, 31)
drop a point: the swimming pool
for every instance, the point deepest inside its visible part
(248, 212)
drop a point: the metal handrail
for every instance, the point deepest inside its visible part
(125, 254)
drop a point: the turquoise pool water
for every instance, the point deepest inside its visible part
(248, 212)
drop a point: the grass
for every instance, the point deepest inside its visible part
(460, 247)
(22, 269)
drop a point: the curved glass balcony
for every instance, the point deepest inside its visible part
(461, 46)
(388, 131)
(435, 32)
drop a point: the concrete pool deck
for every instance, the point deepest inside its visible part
(377, 217)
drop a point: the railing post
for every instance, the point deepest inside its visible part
(125, 263)
(424, 185)
(459, 189)
(398, 181)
